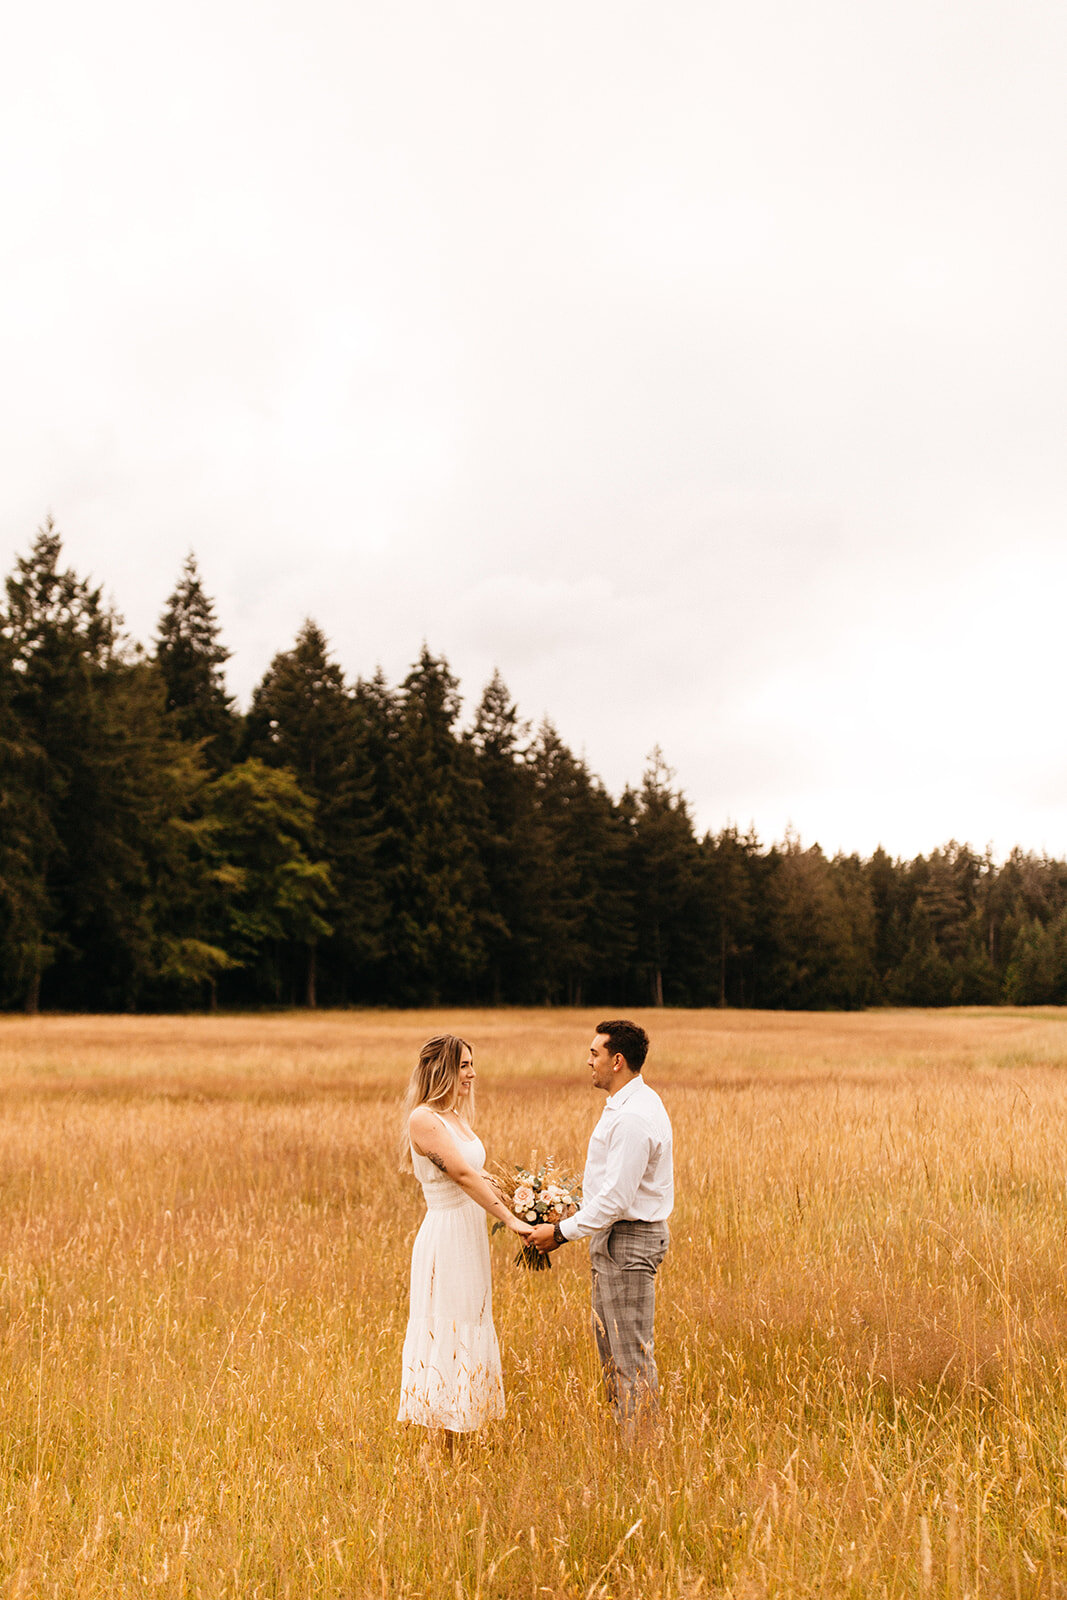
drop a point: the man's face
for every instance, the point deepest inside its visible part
(601, 1062)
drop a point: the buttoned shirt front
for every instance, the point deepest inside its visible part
(629, 1169)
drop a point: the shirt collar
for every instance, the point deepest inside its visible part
(616, 1101)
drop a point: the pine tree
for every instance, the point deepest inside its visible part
(103, 842)
(144, 793)
(511, 847)
(305, 718)
(886, 881)
(854, 980)
(191, 659)
(948, 894)
(727, 890)
(60, 641)
(671, 931)
(27, 843)
(820, 931)
(924, 975)
(435, 812)
(582, 893)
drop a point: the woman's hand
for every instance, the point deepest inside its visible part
(516, 1225)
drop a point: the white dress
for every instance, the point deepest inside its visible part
(451, 1377)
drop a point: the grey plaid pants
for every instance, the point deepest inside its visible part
(624, 1259)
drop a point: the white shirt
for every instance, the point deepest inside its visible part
(629, 1170)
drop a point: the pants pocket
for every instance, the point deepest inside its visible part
(637, 1249)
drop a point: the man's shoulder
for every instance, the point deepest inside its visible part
(645, 1106)
(647, 1092)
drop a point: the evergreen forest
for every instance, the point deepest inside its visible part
(359, 843)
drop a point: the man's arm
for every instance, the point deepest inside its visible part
(629, 1147)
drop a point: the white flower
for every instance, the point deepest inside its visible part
(531, 1216)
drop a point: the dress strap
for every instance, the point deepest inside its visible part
(462, 1137)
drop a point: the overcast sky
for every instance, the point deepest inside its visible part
(702, 366)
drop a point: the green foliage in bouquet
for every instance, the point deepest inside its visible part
(537, 1194)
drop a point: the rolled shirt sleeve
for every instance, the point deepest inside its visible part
(628, 1149)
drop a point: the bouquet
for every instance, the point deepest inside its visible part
(537, 1194)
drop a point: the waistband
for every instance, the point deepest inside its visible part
(440, 1197)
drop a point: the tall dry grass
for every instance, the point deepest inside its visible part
(862, 1321)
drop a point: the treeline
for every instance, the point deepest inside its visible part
(349, 843)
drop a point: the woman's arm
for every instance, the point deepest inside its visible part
(433, 1141)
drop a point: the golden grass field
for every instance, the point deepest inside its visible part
(861, 1327)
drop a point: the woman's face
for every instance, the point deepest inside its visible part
(466, 1076)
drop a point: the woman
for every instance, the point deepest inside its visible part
(451, 1376)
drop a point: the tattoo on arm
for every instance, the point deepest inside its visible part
(438, 1161)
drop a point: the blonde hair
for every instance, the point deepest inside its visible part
(435, 1083)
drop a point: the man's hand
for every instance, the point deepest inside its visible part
(543, 1238)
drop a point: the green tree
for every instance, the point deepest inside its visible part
(272, 891)
(143, 792)
(59, 642)
(924, 976)
(948, 883)
(728, 893)
(512, 847)
(891, 902)
(582, 896)
(27, 844)
(975, 981)
(305, 718)
(434, 814)
(191, 659)
(671, 933)
(1036, 972)
(102, 844)
(856, 980)
(1026, 889)
(820, 930)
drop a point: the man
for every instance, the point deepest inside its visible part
(628, 1192)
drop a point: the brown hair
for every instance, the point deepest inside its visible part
(435, 1083)
(626, 1039)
